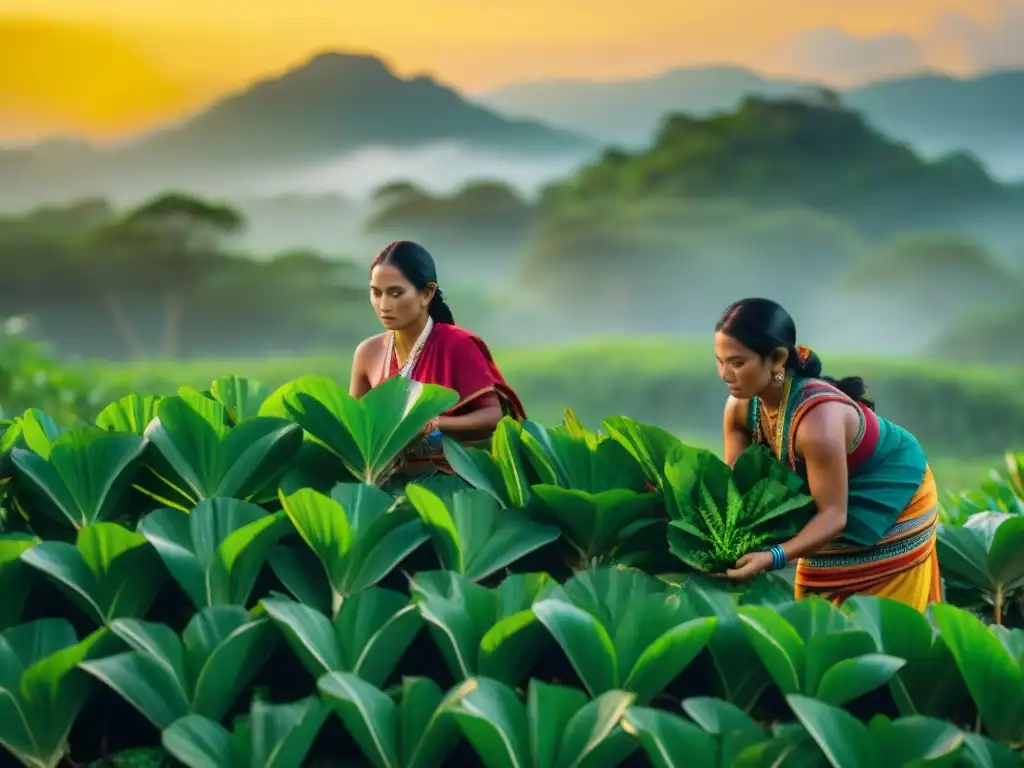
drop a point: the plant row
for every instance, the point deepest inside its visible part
(177, 523)
(633, 648)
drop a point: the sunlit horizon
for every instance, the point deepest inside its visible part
(110, 69)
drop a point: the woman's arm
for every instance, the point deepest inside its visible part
(821, 440)
(737, 434)
(483, 418)
(359, 384)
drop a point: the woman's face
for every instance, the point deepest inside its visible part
(395, 300)
(745, 372)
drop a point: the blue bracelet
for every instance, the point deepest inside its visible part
(778, 557)
(433, 439)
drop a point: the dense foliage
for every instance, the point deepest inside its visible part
(164, 278)
(238, 576)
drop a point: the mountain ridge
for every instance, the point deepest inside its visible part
(937, 111)
(330, 105)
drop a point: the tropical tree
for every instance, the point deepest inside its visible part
(180, 235)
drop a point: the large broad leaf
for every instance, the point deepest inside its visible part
(242, 397)
(500, 473)
(994, 677)
(623, 630)
(215, 553)
(845, 742)
(41, 688)
(366, 434)
(926, 685)
(203, 672)
(359, 535)
(593, 523)
(272, 736)
(556, 728)
(130, 415)
(84, 478)
(566, 459)
(648, 445)
(669, 741)
(734, 731)
(15, 576)
(479, 631)
(201, 457)
(473, 535)
(368, 637)
(110, 572)
(741, 676)
(809, 647)
(987, 555)
(35, 430)
(416, 733)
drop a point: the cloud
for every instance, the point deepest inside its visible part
(976, 46)
(835, 56)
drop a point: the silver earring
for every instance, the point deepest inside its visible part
(779, 377)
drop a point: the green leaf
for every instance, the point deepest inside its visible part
(369, 715)
(778, 645)
(482, 631)
(15, 576)
(110, 572)
(473, 535)
(592, 522)
(586, 643)
(206, 458)
(83, 479)
(842, 738)
(42, 690)
(203, 672)
(924, 685)
(994, 678)
(216, 551)
(241, 397)
(494, 722)
(281, 735)
(198, 742)
(366, 434)
(593, 737)
(668, 740)
(358, 533)
(129, 415)
(372, 631)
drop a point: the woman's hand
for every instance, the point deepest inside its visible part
(750, 565)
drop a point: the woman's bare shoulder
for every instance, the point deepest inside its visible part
(370, 346)
(736, 411)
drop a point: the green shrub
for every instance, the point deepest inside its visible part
(211, 573)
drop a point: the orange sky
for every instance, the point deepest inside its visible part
(107, 67)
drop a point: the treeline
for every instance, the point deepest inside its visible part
(803, 202)
(167, 279)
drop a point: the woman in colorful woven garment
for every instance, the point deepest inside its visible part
(423, 343)
(874, 529)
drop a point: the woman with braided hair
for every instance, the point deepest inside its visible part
(423, 343)
(874, 529)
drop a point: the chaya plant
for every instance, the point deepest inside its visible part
(270, 736)
(42, 689)
(365, 434)
(983, 561)
(720, 514)
(82, 477)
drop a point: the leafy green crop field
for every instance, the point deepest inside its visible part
(235, 576)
